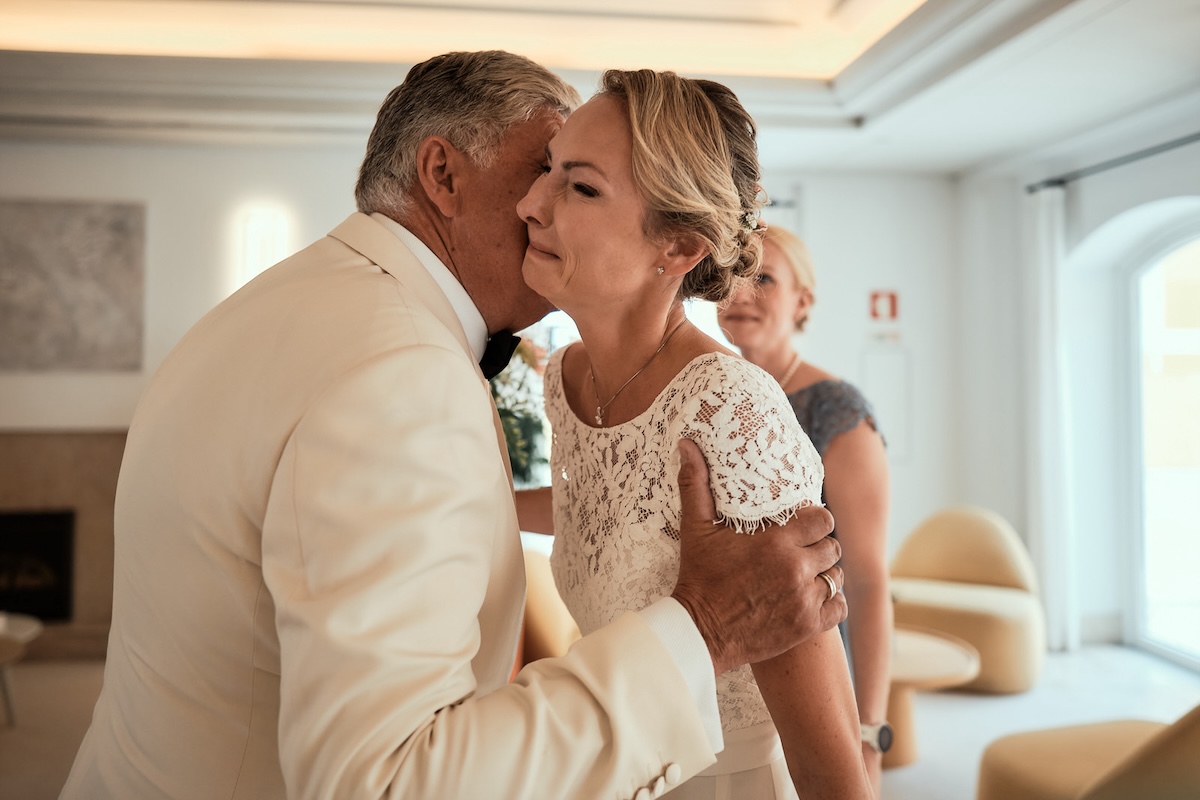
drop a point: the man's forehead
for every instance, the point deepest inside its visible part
(534, 134)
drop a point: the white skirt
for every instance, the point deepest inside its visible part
(751, 767)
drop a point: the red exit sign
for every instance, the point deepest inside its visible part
(885, 305)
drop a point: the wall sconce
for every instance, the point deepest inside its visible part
(263, 239)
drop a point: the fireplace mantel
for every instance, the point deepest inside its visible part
(78, 471)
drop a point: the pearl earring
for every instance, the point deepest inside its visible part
(661, 270)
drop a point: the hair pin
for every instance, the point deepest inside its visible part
(751, 221)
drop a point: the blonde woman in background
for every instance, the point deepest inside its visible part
(761, 319)
(650, 196)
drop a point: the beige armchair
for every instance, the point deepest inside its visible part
(1119, 760)
(549, 627)
(965, 572)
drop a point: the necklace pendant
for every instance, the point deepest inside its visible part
(599, 416)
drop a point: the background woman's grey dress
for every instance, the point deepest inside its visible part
(827, 409)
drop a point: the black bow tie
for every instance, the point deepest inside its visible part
(498, 353)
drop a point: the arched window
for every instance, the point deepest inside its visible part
(1126, 416)
(1167, 598)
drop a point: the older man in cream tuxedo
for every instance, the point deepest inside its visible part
(319, 584)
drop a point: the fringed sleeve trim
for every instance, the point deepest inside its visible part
(749, 527)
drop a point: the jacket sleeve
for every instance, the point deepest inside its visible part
(377, 550)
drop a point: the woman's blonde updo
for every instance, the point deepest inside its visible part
(695, 163)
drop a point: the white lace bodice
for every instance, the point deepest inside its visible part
(616, 494)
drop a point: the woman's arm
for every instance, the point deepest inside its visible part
(764, 464)
(535, 511)
(856, 493)
(808, 692)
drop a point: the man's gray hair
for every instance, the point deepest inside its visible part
(470, 99)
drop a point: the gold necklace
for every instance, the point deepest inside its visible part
(600, 409)
(787, 376)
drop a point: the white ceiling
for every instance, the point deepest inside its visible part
(939, 85)
(810, 39)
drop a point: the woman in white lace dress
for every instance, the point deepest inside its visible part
(649, 196)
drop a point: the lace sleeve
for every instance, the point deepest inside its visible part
(762, 466)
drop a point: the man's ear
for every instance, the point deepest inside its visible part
(439, 165)
(681, 255)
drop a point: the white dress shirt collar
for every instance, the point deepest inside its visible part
(468, 315)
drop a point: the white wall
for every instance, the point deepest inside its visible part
(192, 195)
(893, 233)
(989, 336)
(1099, 199)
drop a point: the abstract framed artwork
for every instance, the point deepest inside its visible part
(71, 286)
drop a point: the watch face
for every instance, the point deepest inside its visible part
(885, 738)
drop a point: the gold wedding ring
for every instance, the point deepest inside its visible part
(833, 590)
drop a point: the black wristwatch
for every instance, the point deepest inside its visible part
(878, 736)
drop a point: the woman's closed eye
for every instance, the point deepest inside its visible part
(584, 189)
(764, 279)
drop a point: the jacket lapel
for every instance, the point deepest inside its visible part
(376, 243)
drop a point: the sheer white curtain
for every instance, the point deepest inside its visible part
(1050, 526)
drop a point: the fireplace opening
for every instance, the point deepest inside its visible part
(36, 563)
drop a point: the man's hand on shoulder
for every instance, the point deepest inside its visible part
(753, 597)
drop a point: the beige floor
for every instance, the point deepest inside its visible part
(54, 701)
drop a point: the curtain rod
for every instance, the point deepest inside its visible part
(1068, 177)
